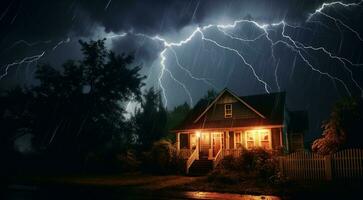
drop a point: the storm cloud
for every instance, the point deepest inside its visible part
(29, 28)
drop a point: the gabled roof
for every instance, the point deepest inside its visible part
(238, 98)
(269, 108)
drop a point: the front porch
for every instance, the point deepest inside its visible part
(213, 145)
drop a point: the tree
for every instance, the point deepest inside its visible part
(150, 120)
(177, 115)
(80, 109)
(343, 128)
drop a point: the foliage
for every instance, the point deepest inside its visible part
(256, 161)
(176, 116)
(150, 120)
(76, 110)
(105, 161)
(163, 159)
(343, 128)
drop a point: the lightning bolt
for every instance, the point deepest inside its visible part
(108, 3)
(205, 80)
(295, 47)
(321, 9)
(342, 60)
(276, 77)
(299, 48)
(30, 59)
(24, 60)
(29, 44)
(61, 42)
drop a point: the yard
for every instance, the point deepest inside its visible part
(141, 186)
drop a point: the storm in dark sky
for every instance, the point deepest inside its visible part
(309, 49)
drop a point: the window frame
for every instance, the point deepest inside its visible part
(258, 134)
(269, 139)
(226, 114)
(247, 140)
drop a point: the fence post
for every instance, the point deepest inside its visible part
(281, 166)
(328, 168)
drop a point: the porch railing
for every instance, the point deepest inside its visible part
(185, 153)
(232, 152)
(217, 158)
(191, 159)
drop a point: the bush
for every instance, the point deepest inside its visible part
(257, 162)
(127, 161)
(229, 163)
(110, 162)
(163, 159)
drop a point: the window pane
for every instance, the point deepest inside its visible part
(265, 144)
(249, 136)
(265, 139)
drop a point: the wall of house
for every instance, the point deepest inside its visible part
(239, 111)
(276, 138)
(296, 141)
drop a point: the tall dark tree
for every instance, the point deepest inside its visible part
(175, 117)
(150, 120)
(343, 128)
(80, 108)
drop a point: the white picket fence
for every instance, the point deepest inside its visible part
(346, 165)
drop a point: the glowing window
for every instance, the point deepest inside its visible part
(258, 138)
(227, 110)
(265, 139)
(250, 140)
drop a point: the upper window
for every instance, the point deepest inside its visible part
(227, 110)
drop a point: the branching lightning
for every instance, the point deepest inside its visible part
(30, 59)
(299, 48)
(24, 60)
(321, 9)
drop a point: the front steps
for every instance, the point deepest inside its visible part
(201, 167)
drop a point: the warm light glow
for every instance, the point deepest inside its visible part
(198, 134)
(258, 137)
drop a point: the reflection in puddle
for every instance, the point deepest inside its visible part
(215, 195)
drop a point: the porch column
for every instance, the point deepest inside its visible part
(234, 140)
(178, 142)
(211, 143)
(281, 145)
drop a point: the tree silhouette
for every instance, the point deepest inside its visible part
(343, 128)
(150, 120)
(80, 108)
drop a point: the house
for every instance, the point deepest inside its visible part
(231, 123)
(297, 127)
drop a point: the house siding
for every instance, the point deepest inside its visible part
(239, 111)
(275, 138)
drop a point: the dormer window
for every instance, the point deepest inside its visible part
(227, 110)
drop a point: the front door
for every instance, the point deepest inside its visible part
(217, 140)
(204, 144)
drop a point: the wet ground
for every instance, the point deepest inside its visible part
(24, 192)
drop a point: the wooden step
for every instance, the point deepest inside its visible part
(201, 167)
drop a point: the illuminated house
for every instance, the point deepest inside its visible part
(230, 123)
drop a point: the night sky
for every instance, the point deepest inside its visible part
(278, 45)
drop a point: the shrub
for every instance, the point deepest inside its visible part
(127, 161)
(110, 162)
(163, 158)
(257, 162)
(229, 163)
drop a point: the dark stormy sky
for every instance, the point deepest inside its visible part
(313, 79)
